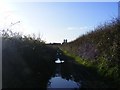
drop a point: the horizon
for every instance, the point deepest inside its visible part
(56, 21)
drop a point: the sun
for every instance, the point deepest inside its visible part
(8, 17)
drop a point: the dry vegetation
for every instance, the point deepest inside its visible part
(99, 49)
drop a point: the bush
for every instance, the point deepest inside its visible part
(101, 47)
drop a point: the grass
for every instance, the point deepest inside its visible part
(26, 56)
(110, 75)
(99, 49)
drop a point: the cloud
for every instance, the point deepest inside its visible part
(78, 28)
(71, 28)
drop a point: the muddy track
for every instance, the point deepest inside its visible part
(80, 73)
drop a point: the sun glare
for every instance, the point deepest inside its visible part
(2, 6)
(9, 19)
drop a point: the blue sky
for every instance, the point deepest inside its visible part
(58, 21)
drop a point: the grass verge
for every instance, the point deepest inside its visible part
(110, 75)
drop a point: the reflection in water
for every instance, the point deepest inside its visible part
(59, 80)
(59, 61)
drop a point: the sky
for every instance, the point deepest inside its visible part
(55, 21)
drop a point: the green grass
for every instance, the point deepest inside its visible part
(78, 59)
(99, 49)
(110, 75)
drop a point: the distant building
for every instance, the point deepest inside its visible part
(54, 44)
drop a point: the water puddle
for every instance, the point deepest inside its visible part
(58, 80)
